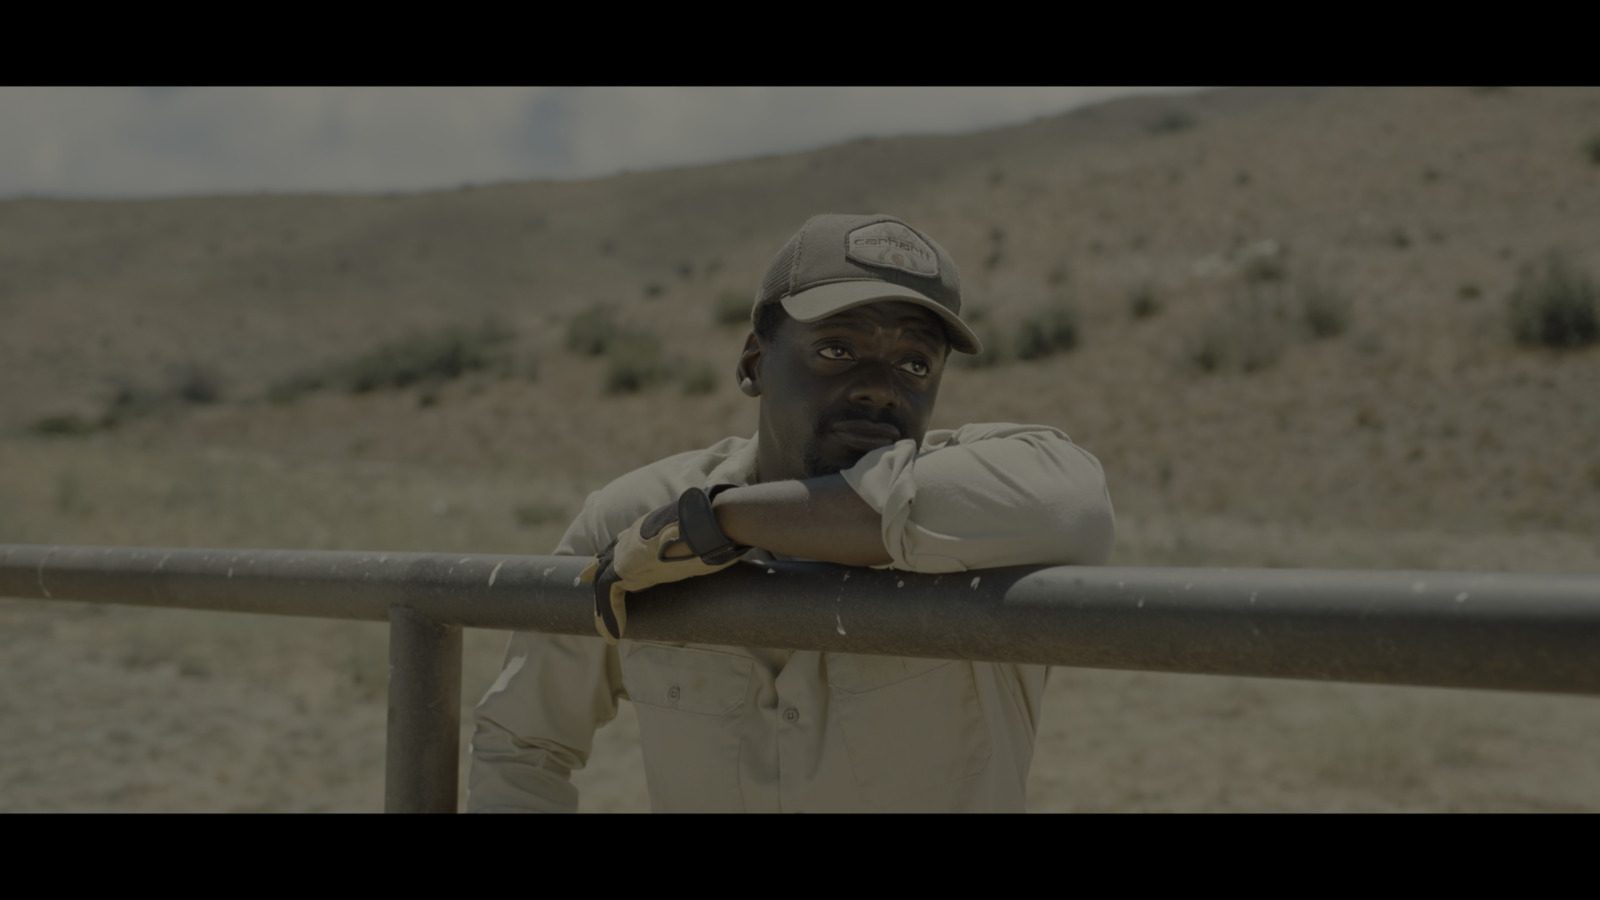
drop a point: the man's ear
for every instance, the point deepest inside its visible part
(749, 369)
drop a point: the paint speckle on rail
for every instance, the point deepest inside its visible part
(464, 560)
(495, 571)
(41, 573)
(577, 581)
(838, 623)
(230, 571)
(900, 584)
(772, 571)
(847, 576)
(548, 571)
(975, 582)
(1140, 604)
(1461, 597)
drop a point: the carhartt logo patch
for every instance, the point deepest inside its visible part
(893, 246)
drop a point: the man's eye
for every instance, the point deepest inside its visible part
(916, 367)
(834, 353)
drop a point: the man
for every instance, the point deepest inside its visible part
(852, 328)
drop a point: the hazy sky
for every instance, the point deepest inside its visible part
(148, 141)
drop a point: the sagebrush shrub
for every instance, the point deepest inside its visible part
(1556, 303)
(188, 385)
(293, 387)
(631, 374)
(993, 348)
(539, 512)
(427, 358)
(62, 426)
(1324, 310)
(1250, 334)
(1055, 330)
(1264, 269)
(1170, 122)
(592, 331)
(1143, 302)
(196, 384)
(423, 358)
(700, 378)
(731, 308)
(634, 362)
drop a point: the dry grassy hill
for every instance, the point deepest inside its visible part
(1411, 210)
(1291, 345)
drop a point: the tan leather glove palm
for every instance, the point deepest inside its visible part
(635, 561)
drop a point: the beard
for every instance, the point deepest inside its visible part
(814, 464)
(811, 454)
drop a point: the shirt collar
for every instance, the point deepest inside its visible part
(739, 468)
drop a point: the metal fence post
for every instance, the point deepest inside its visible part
(424, 746)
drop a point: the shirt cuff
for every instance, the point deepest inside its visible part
(883, 479)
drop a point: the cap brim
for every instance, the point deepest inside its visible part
(829, 299)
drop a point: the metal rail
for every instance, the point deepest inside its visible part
(1443, 629)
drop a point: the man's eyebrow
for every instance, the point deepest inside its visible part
(933, 337)
(917, 328)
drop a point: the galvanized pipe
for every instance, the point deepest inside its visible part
(1446, 629)
(532, 593)
(424, 744)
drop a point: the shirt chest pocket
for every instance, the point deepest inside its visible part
(914, 729)
(689, 704)
(700, 682)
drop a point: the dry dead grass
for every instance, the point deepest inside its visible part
(1420, 438)
(124, 709)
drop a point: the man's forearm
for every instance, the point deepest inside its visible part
(815, 518)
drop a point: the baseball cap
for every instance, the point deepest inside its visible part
(838, 261)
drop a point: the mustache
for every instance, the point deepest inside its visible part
(832, 417)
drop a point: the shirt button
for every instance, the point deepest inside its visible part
(672, 692)
(791, 714)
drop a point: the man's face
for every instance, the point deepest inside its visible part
(835, 389)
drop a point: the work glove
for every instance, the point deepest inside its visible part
(637, 560)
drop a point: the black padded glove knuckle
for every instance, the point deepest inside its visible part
(657, 520)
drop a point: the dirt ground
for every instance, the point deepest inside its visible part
(126, 710)
(120, 709)
(1417, 434)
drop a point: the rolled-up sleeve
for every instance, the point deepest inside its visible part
(991, 495)
(536, 724)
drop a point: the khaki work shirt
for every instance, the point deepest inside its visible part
(751, 730)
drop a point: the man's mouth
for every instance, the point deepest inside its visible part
(862, 435)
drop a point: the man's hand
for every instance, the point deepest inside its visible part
(650, 552)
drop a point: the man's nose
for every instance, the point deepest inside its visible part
(874, 387)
